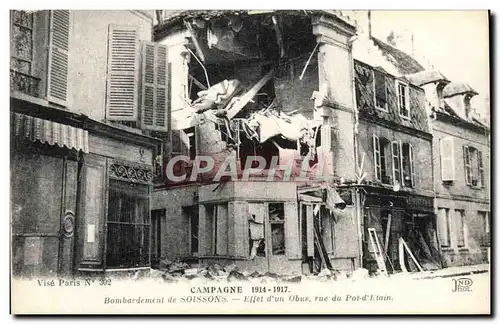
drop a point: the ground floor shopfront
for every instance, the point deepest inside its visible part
(80, 194)
(399, 221)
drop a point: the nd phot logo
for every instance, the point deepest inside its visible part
(462, 285)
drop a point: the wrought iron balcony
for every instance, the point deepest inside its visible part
(25, 83)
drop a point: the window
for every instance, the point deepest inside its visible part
(380, 90)
(407, 165)
(396, 163)
(376, 157)
(277, 222)
(484, 218)
(21, 41)
(460, 226)
(443, 218)
(156, 220)
(403, 99)
(128, 224)
(138, 86)
(192, 214)
(217, 219)
(380, 146)
(447, 155)
(474, 167)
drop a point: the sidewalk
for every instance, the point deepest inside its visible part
(449, 272)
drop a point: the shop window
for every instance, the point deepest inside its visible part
(460, 227)
(277, 222)
(444, 232)
(128, 225)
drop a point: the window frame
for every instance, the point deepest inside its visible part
(460, 214)
(279, 222)
(406, 101)
(411, 166)
(138, 192)
(397, 163)
(32, 29)
(374, 85)
(447, 223)
(377, 158)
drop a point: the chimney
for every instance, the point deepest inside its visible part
(370, 23)
(402, 40)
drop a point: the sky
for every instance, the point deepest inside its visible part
(455, 42)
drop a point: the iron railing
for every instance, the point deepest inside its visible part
(24, 83)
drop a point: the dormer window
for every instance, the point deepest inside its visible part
(467, 106)
(380, 90)
(403, 99)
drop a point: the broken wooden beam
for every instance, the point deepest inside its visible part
(242, 101)
(198, 83)
(195, 41)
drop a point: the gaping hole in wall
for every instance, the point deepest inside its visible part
(253, 77)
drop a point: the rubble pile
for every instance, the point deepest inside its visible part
(173, 271)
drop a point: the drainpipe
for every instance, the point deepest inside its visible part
(357, 205)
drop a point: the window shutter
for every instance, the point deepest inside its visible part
(447, 159)
(480, 168)
(57, 74)
(154, 86)
(412, 168)
(122, 78)
(376, 157)
(467, 165)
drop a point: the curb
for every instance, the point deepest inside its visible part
(454, 274)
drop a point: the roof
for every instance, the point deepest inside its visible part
(404, 63)
(428, 76)
(456, 88)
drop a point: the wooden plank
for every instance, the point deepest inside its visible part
(309, 230)
(402, 256)
(244, 99)
(411, 254)
(387, 233)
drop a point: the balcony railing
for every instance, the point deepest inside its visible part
(25, 83)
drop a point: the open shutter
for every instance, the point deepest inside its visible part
(467, 165)
(446, 151)
(480, 167)
(376, 157)
(396, 162)
(412, 168)
(154, 86)
(122, 78)
(57, 74)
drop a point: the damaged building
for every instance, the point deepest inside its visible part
(274, 85)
